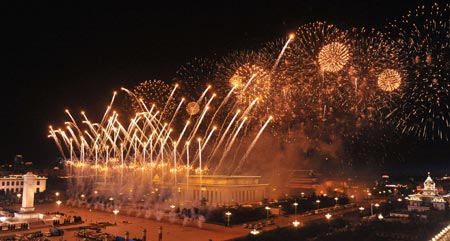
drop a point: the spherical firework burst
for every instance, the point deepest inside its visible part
(425, 37)
(389, 80)
(192, 108)
(333, 57)
(154, 92)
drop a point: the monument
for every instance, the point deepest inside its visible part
(29, 188)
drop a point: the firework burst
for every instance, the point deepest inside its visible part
(154, 92)
(193, 77)
(248, 73)
(333, 57)
(375, 72)
(425, 36)
(307, 66)
(389, 80)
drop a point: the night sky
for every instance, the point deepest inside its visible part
(62, 55)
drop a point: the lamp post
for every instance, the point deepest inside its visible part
(371, 207)
(318, 203)
(57, 195)
(336, 199)
(111, 199)
(59, 203)
(328, 216)
(115, 211)
(267, 209)
(296, 223)
(19, 195)
(295, 208)
(228, 214)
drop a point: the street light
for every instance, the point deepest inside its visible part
(254, 231)
(295, 208)
(59, 203)
(380, 216)
(18, 196)
(371, 207)
(328, 216)
(296, 223)
(318, 203)
(228, 214)
(267, 209)
(336, 199)
(115, 211)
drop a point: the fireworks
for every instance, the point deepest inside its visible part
(333, 57)
(373, 56)
(282, 100)
(251, 82)
(425, 38)
(317, 93)
(311, 43)
(153, 92)
(389, 80)
(192, 108)
(148, 149)
(327, 83)
(248, 73)
(193, 77)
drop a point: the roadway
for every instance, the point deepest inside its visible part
(171, 231)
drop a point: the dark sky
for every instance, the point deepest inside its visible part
(62, 55)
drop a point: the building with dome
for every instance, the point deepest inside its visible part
(427, 198)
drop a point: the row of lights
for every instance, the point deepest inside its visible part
(441, 233)
(115, 211)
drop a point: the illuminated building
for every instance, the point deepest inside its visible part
(14, 183)
(224, 190)
(302, 181)
(427, 198)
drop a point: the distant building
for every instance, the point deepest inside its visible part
(14, 183)
(426, 198)
(302, 181)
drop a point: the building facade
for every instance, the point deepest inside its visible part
(427, 198)
(15, 183)
(302, 182)
(217, 190)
